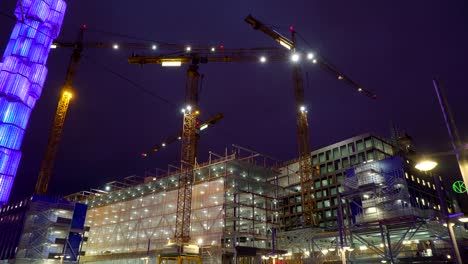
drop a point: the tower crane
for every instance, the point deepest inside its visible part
(59, 119)
(67, 94)
(306, 170)
(195, 57)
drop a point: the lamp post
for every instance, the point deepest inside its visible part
(428, 166)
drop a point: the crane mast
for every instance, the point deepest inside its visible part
(306, 169)
(303, 144)
(59, 119)
(188, 153)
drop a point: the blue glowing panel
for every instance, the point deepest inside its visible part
(22, 76)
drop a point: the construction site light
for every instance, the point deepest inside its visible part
(285, 44)
(115, 46)
(263, 59)
(213, 49)
(331, 249)
(363, 248)
(310, 55)
(154, 47)
(188, 48)
(314, 61)
(203, 127)
(295, 57)
(68, 93)
(53, 46)
(171, 63)
(463, 219)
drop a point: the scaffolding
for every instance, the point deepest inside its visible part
(385, 223)
(46, 233)
(233, 207)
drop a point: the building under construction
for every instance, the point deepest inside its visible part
(372, 207)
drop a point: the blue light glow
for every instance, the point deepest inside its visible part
(22, 76)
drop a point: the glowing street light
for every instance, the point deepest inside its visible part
(310, 55)
(426, 165)
(263, 59)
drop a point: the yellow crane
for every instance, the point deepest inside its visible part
(189, 138)
(67, 94)
(57, 126)
(306, 169)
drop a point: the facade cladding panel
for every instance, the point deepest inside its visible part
(22, 76)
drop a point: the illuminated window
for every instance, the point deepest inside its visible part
(418, 180)
(406, 175)
(424, 182)
(412, 177)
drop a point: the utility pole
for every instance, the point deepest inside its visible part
(452, 131)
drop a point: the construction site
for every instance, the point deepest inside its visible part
(246, 208)
(359, 200)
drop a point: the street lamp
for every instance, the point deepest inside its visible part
(428, 166)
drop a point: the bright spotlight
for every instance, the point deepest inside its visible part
(302, 108)
(310, 55)
(263, 59)
(188, 48)
(115, 46)
(154, 47)
(426, 165)
(213, 49)
(295, 57)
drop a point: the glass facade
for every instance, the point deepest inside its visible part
(22, 76)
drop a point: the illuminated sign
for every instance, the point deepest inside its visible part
(459, 187)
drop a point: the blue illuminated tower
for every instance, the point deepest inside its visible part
(22, 75)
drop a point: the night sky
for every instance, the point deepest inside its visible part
(394, 48)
